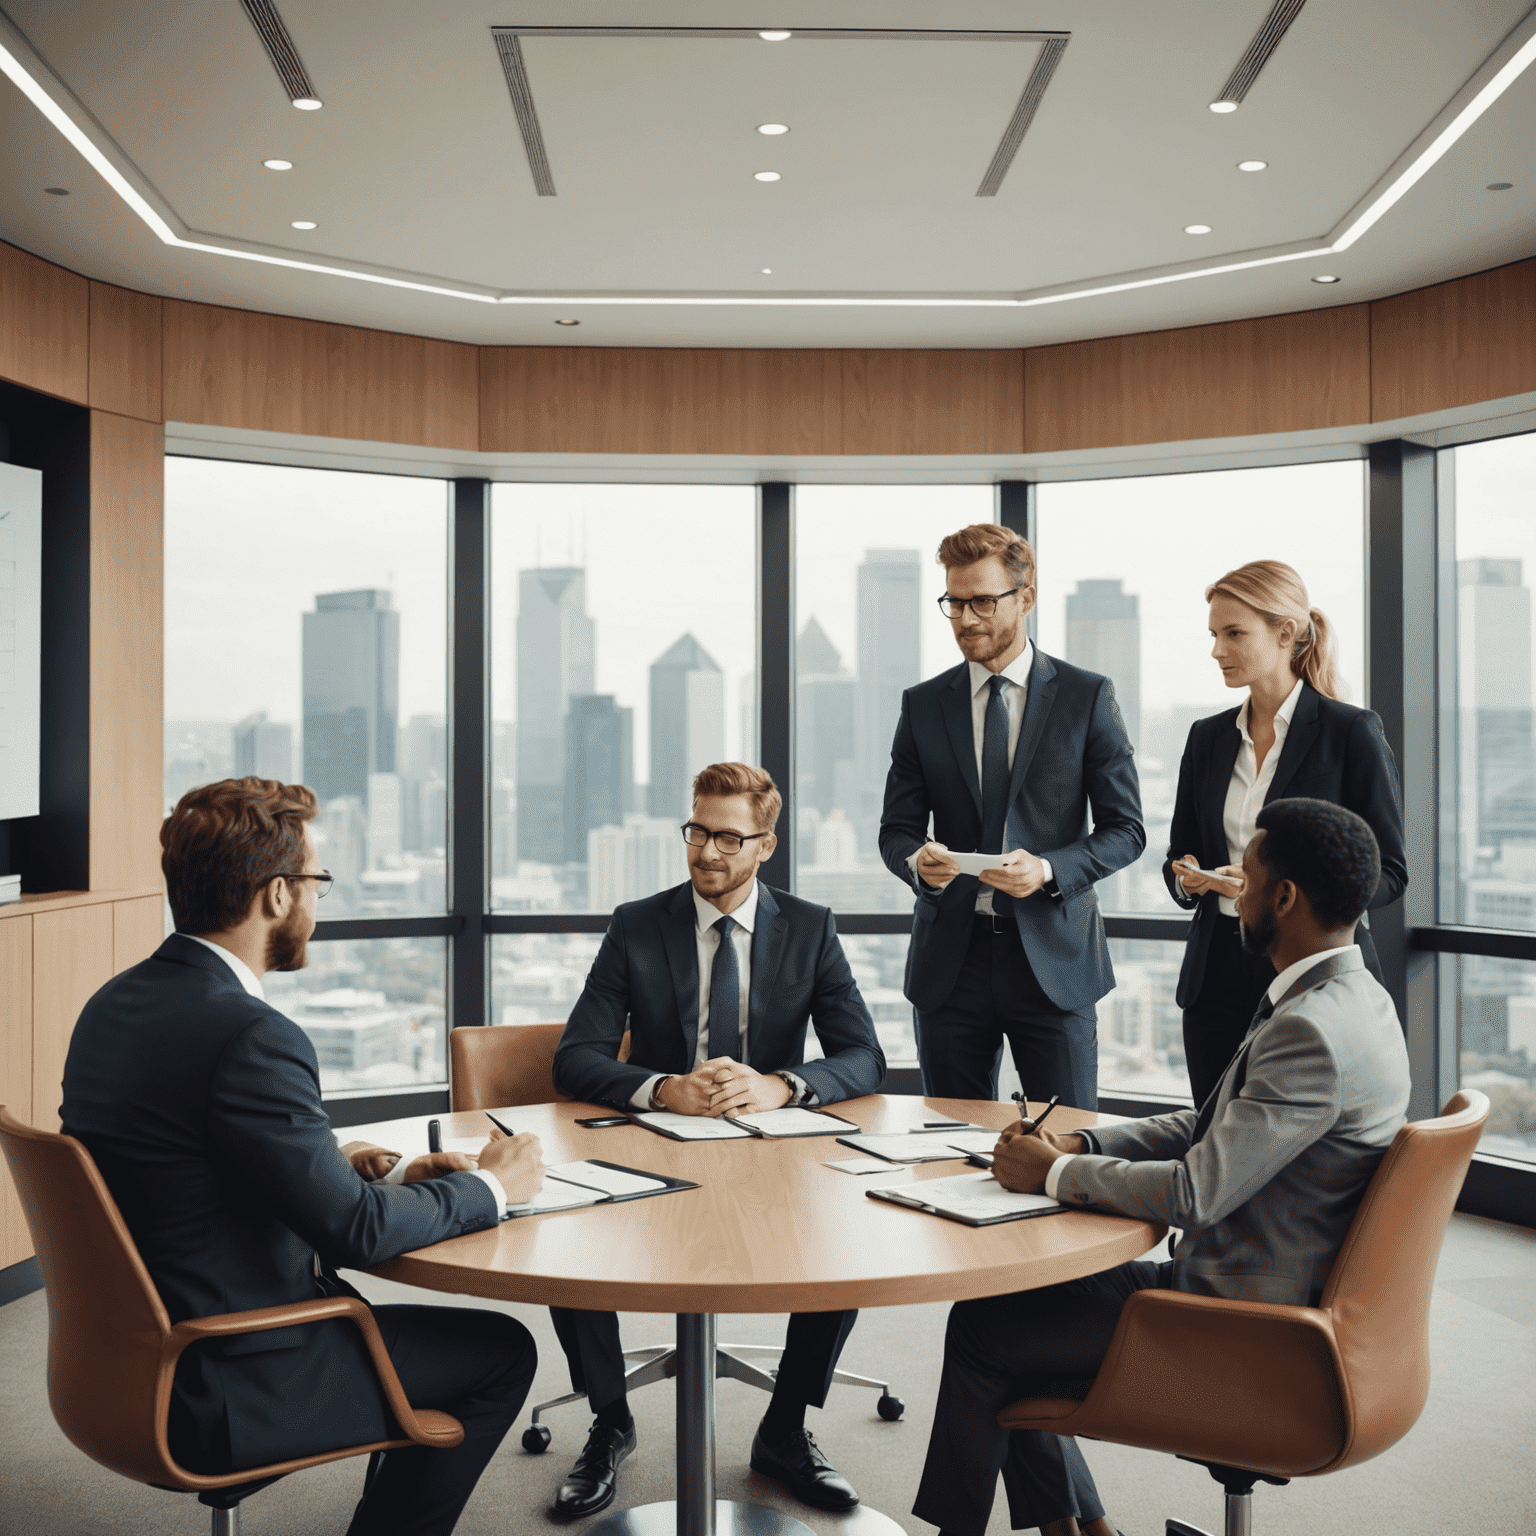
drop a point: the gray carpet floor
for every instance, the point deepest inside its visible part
(1469, 1465)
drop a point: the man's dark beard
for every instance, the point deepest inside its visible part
(288, 944)
(1256, 941)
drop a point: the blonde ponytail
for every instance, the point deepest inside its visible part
(1276, 593)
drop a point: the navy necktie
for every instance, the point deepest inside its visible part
(1239, 1065)
(994, 770)
(725, 995)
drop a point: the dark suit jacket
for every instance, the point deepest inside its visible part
(201, 1106)
(647, 973)
(1073, 757)
(1332, 751)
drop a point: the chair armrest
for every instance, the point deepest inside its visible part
(1250, 1384)
(263, 1319)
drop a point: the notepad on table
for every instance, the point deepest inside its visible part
(906, 1146)
(688, 1127)
(604, 1178)
(794, 1122)
(555, 1195)
(976, 1199)
(593, 1182)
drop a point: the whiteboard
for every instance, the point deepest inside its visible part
(21, 616)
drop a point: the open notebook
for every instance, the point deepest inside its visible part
(923, 1146)
(568, 1186)
(976, 1199)
(771, 1123)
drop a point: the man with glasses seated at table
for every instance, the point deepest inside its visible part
(200, 1103)
(717, 980)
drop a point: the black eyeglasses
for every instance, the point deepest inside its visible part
(323, 881)
(982, 607)
(727, 842)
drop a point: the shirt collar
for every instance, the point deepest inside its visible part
(707, 915)
(1017, 670)
(1293, 973)
(1283, 715)
(241, 971)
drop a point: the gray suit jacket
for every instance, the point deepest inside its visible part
(1302, 1117)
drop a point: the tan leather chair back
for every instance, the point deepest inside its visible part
(498, 1065)
(106, 1322)
(1380, 1287)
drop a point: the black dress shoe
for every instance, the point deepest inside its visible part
(595, 1478)
(810, 1476)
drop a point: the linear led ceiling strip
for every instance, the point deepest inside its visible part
(1499, 72)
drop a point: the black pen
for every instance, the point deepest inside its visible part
(1034, 1130)
(505, 1129)
(434, 1135)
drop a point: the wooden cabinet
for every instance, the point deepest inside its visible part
(138, 926)
(15, 1070)
(71, 958)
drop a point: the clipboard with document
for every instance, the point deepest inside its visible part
(975, 1199)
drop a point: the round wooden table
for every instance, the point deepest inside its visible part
(770, 1229)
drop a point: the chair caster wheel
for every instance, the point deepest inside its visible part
(536, 1439)
(890, 1408)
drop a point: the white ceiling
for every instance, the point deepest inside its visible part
(416, 165)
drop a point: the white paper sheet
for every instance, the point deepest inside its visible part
(611, 1181)
(691, 1127)
(977, 1195)
(900, 1147)
(795, 1122)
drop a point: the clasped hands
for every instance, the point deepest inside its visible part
(1022, 873)
(723, 1086)
(1020, 1161)
(515, 1162)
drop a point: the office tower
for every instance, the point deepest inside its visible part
(643, 856)
(351, 691)
(262, 747)
(1104, 636)
(889, 663)
(600, 774)
(423, 761)
(826, 700)
(687, 723)
(555, 660)
(749, 718)
(384, 819)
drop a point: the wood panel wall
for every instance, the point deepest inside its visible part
(15, 1070)
(125, 352)
(44, 326)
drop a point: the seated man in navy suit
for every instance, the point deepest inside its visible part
(200, 1103)
(717, 980)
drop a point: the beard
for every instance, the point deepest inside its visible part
(288, 945)
(1257, 940)
(709, 876)
(988, 647)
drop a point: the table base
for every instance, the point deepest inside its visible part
(743, 1520)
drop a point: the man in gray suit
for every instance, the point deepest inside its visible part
(1262, 1182)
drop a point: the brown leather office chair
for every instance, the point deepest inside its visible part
(1259, 1392)
(112, 1349)
(511, 1064)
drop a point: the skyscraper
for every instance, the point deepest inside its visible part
(889, 663)
(262, 747)
(1104, 636)
(687, 723)
(555, 660)
(825, 699)
(351, 691)
(600, 772)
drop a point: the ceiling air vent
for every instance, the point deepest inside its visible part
(512, 66)
(1051, 51)
(1260, 50)
(275, 38)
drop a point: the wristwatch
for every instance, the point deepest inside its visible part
(799, 1089)
(655, 1102)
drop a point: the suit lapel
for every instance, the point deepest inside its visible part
(1298, 741)
(679, 935)
(1037, 706)
(1213, 802)
(962, 736)
(768, 940)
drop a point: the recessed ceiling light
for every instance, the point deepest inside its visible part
(305, 224)
(774, 37)
(1325, 279)
(765, 176)
(1197, 229)
(308, 103)
(567, 322)
(278, 165)
(1500, 186)
(1223, 106)
(1253, 165)
(766, 271)
(773, 128)
(57, 191)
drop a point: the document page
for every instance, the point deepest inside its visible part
(906, 1147)
(973, 1141)
(610, 1181)
(973, 1197)
(689, 1127)
(795, 1122)
(556, 1196)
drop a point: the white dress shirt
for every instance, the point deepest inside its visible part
(1250, 783)
(1277, 989)
(252, 984)
(1015, 693)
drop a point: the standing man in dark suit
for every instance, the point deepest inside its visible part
(1009, 753)
(200, 1104)
(717, 980)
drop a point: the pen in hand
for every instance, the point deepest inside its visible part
(506, 1130)
(1034, 1130)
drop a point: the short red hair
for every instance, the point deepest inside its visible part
(983, 540)
(742, 779)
